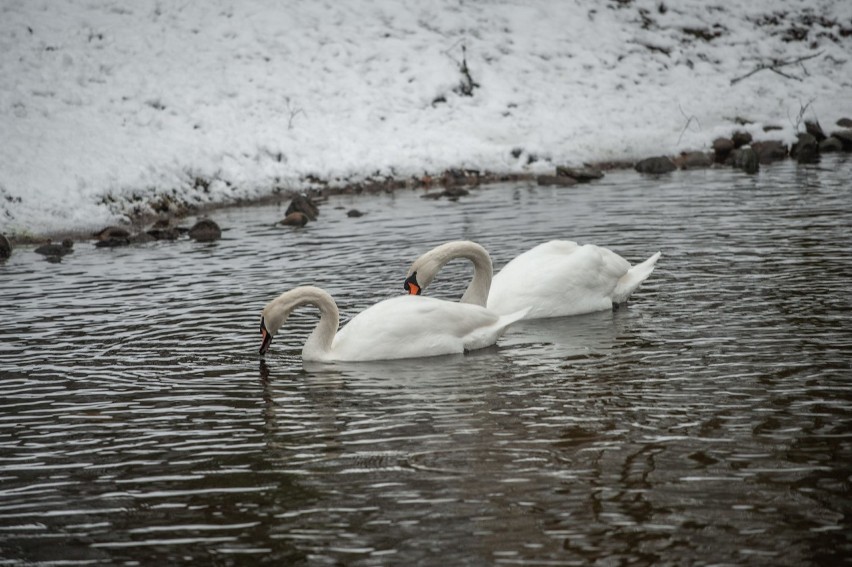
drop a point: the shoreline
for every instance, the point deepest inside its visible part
(454, 179)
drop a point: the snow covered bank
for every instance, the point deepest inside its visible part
(105, 105)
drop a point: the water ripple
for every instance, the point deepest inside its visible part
(707, 422)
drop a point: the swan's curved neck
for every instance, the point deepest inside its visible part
(319, 342)
(483, 271)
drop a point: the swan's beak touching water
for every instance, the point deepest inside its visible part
(267, 338)
(411, 285)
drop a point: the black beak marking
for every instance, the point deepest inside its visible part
(267, 338)
(411, 282)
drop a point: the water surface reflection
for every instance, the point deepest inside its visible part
(707, 422)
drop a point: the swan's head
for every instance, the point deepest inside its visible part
(426, 267)
(273, 317)
(276, 312)
(269, 328)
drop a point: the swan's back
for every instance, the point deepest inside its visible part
(558, 278)
(415, 326)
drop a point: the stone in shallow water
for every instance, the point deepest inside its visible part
(746, 159)
(303, 204)
(722, 147)
(581, 174)
(769, 151)
(831, 144)
(656, 165)
(205, 230)
(557, 180)
(295, 219)
(112, 232)
(57, 250)
(845, 137)
(695, 160)
(806, 149)
(5, 247)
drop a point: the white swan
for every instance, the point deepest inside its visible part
(401, 327)
(554, 279)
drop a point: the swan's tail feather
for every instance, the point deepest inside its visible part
(487, 336)
(506, 320)
(629, 282)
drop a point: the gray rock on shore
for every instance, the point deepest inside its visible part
(746, 159)
(769, 151)
(845, 137)
(806, 149)
(5, 248)
(722, 148)
(694, 160)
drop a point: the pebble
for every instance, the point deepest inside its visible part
(295, 219)
(56, 250)
(5, 248)
(205, 230)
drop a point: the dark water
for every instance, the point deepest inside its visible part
(710, 422)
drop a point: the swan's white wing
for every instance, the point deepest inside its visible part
(558, 278)
(415, 326)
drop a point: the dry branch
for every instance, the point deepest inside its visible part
(774, 67)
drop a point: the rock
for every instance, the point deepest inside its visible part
(5, 248)
(164, 233)
(845, 122)
(694, 160)
(845, 137)
(451, 193)
(111, 232)
(303, 204)
(57, 250)
(746, 159)
(354, 213)
(556, 180)
(769, 151)
(815, 130)
(163, 230)
(295, 219)
(112, 242)
(722, 148)
(205, 230)
(806, 149)
(741, 139)
(831, 144)
(141, 238)
(581, 174)
(655, 165)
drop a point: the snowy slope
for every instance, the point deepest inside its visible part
(106, 104)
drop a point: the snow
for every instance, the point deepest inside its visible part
(105, 105)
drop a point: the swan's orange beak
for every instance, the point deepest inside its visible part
(411, 285)
(266, 339)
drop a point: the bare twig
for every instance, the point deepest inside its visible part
(294, 112)
(774, 65)
(801, 116)
(689, 120)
